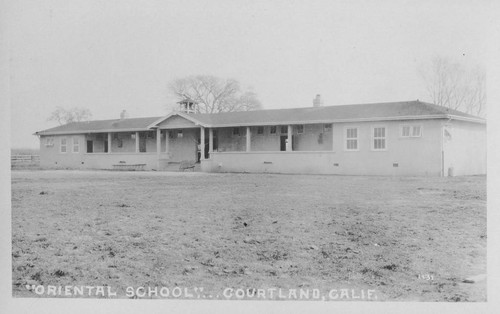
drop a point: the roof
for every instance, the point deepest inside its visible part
(406, 110)
(96, 126)
(323, 114)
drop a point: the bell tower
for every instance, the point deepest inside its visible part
(188, 106)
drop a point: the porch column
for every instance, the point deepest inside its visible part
(136, 142)
(249, 139)
(333, 140)
(167, 137)
(158, 145)
(210, 142)
(289, 139)
(109, 142)
(202, 143)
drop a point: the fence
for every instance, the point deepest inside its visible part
(24, 160)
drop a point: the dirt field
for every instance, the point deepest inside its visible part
(251, 231)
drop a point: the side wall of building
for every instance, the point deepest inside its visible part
(464, 148)
(53, 155)
(402, 156)
(123, 142)
(184, 146)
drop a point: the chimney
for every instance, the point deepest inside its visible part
(123, 115)
(317, 101)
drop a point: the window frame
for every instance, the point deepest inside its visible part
(76, 144)
(49, 141)
(411, 130)
(236, 134)
(327, 129)
(283, 127)
(65, 145)
(271, 130)
(303, 128)
(346, 138)
(373, 138)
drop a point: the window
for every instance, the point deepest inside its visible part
(49, 142)
(63, 145)
(179, 134)
(415, 131)
(272, 130)
(236, 131)
(351, 135)
(411, 131)
(284, 129)
(379, 138)
(76, 145)
(90, 146)
(327, 127)
(405, 131)
(260, 130)
(300, 129)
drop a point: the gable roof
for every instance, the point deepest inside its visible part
(406, 110)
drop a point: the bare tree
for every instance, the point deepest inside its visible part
(453, 85)
(214, 94)
(64, 116)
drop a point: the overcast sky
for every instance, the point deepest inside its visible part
(113, 55)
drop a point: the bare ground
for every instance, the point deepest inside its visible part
(247, 230)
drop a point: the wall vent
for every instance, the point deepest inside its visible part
(395, 165)
(335, 165)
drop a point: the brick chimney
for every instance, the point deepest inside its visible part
(317, 102)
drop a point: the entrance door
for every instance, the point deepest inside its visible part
(142, 142)
(90, 146)
(283, 143)
(216, 141)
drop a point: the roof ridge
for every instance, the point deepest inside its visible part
(312, 108)
(118, 119)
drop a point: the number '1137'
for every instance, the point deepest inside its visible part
(425, 276)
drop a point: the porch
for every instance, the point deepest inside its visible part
(165, 147)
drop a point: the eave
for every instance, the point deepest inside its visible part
(90, 131)
(322, 121)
